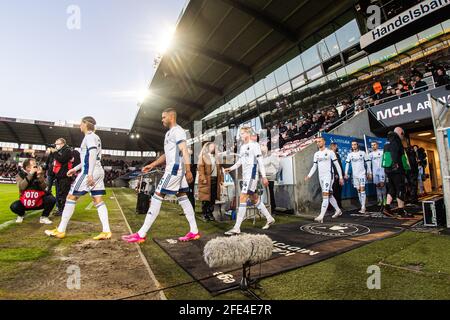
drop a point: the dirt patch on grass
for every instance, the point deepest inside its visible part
(109, 269)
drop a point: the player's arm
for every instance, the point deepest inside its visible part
(347, 166)
(187, 160)
(158, 162)
(92, 150)
(313, 169)
(234, 166)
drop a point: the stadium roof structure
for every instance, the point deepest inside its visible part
(222, 47)
(23, 131)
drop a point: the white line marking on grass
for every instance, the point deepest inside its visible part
(141, 254)
(10, 222)
(89, 206)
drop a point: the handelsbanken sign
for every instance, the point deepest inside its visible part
(408, 109)
(419, 17)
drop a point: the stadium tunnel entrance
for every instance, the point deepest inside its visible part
(413, 114)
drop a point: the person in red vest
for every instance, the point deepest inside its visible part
(33, 194)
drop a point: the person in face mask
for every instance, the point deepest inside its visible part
(62, 162)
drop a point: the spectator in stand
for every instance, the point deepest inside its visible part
(403, 84)
(420, 85)
(441, 78)
(414, 72)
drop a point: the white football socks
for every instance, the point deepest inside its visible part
(189, 212)
(152, 214)
(69, 208)
(103, 215)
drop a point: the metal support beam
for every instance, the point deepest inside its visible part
(264, 18)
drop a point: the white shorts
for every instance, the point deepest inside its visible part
(326, 183)
(249, 185)
(172, 184)
(378, 176)
(80, 185)
(359, 182)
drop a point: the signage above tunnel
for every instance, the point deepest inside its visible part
(418, 18)
(408, 109)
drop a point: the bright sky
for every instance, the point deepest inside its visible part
(51, 72)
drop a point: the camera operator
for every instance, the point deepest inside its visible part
(33, 195)
(62, 156)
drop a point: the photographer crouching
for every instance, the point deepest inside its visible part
(62, 156)
(33, 195)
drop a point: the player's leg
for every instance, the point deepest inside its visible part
(240, 214)
(189, 212)
(325, 185)
(257, 201)
(104, 219)
(69, 208)
(332, 200)
(152, 213)
(362, 190)
(324, 207)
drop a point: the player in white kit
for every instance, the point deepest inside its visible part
(90, 180)
(358, 160)
(251, 160)
(375, 158)
(323, 160)
(174, 181)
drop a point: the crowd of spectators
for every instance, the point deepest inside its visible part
(297, 132)
(121, 164)
(8, 170)
(5, 156)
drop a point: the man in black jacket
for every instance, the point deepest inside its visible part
(337, 188)
(62, 162)
(441, 78)
(395, 172)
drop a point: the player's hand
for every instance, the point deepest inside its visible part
(90, 181)
(71, 172)
(307, 178)
(227, 170)
(148, 168)
(189, 177)
(346, 177)
(369, 176)
(40, 171)
(341, 182)
(265, 182)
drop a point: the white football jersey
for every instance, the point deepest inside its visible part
(249, 154)
(91, 142)
(357, 160)
(375, 157)
(174, 158)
